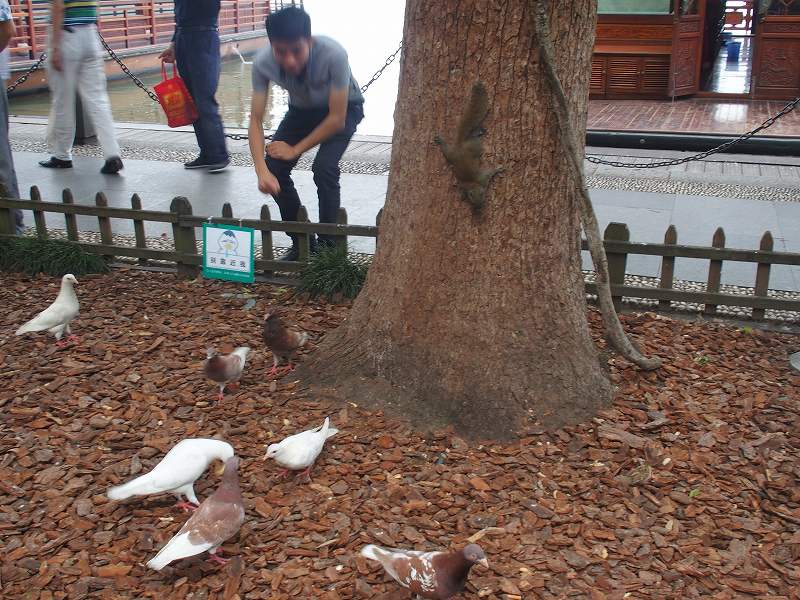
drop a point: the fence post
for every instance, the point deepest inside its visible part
(138, 227)
(668, 266)
(31, 28)
(267, 252)
(70, 220)
(38, 215)
(227, 211)
(378, 225)
(185, 240)
(106, 236)
(7, 223)
(617, 261)
(341, 219)
(762, 274)
(715, 271)
(303, 239)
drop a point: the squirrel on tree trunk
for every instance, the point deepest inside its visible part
(464, 156)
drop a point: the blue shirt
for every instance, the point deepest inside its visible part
(196, 13)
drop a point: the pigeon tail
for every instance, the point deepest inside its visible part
(137, 487)
(177, 548)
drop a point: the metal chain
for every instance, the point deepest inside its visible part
(701, 155)
(380, 71)
(24, 77)
(126, 70)
(231, 136)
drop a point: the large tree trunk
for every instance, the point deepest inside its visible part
(477, 320)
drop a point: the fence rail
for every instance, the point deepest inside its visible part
(130, 23)
(617, 242)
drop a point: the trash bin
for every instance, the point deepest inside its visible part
(733, 51)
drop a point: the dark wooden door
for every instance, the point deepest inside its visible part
(687, 47)
(776, 65)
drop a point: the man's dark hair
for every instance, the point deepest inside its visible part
(288, 24)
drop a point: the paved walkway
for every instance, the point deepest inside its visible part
(648, 206)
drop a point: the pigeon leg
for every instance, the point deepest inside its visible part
(306, 473)
(60, 343)
(212, 557)
(221, 394)
(233, 384)
(283, 473)
(273, 371)
(186, 506)
(287, 369)
(73, 338)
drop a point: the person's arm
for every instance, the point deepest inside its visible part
(56, 24)
(7, 31)
(331, 124)
(267, 183)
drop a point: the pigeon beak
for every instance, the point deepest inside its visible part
(219, 469)
(484, 562)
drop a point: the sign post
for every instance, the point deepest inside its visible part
(228, 252)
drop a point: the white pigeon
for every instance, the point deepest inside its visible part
(300, 451)
(56, 317)
(178, 470)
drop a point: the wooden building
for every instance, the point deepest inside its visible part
(673, 48)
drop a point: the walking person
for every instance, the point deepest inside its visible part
(325, 107)
(75, 62)
(8, 176)
(195, 47)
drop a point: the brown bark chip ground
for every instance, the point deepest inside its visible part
(686, 487)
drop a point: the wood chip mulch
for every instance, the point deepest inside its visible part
(686, 487)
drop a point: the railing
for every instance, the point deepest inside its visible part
(129, 23)
(187, 257)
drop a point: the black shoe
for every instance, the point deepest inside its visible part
(292, 254)
(197, 163)
(113, 166)
(55, 163)
(220, 166)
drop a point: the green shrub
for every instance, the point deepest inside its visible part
(53, 257)
(332, 271)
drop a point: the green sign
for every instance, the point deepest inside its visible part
(228, 252)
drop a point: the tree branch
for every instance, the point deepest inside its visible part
(569, 139)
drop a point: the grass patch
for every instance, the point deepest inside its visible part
(332, 271)
(32, 255)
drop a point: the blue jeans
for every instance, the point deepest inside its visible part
(197, 55)
(297, 124)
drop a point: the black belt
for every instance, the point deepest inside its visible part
(197, 28)
(71, 28)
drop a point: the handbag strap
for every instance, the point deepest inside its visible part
(164, 71)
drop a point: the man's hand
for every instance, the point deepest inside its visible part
(282, 151)
(55, 59)
(168, 55)
(268, 184)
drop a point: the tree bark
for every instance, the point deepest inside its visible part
(477, 319)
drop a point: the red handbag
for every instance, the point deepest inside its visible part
(175, 99)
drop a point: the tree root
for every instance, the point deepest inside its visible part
(614, 331)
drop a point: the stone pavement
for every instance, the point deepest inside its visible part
(696, 199)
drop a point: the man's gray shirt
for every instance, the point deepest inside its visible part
(327, 69)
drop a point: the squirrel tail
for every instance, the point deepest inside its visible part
(475, 112)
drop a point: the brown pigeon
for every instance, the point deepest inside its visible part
(225, 369)
(218, 518)
(282, 341)
(432, 575)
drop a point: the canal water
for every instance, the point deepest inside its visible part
(369, 30)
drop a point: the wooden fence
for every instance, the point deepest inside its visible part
(130, 23)
(617, 242)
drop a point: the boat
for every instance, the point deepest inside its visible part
(136, 30)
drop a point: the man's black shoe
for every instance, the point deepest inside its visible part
(197, 163)
(113, 166)
(55, 163)
(292, 253)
